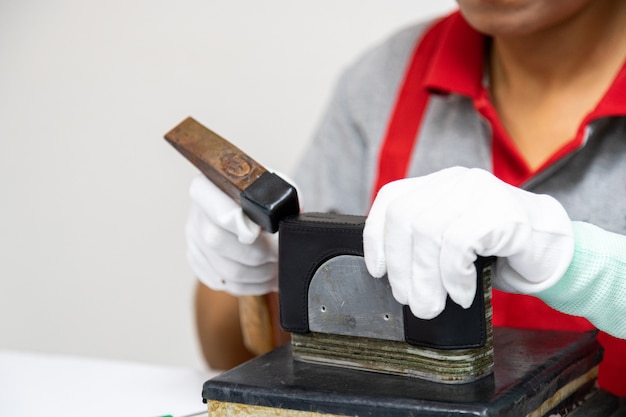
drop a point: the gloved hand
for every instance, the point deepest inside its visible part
(426, 233)
(225, 249)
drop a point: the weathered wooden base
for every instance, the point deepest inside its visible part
(218, 408)
(535, 372)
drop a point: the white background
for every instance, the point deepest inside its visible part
(93, 200)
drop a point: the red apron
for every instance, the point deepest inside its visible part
(510, 310)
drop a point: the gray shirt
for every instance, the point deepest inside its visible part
(338, 170)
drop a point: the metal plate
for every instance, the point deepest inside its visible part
(345, 299)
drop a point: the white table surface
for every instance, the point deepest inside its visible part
(39, 384)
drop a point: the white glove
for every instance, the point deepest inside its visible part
(225, 249)
(426, 233)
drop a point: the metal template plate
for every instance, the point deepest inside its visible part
(345, 299)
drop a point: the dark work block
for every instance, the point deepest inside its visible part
(530, 367)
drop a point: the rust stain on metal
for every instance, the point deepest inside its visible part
(235, 165)
(220, 161)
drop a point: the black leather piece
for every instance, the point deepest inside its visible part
(269, 199)
(530, 367)
(306, 241)
(455, 327)
(310, 239)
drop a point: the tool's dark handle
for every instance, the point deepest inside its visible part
(256, 323)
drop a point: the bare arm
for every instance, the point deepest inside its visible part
(219, 332)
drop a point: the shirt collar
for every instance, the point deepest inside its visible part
(457, 65)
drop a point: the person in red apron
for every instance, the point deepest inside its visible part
(447, 94)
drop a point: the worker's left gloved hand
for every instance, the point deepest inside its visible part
(426, 233)
(225, 249)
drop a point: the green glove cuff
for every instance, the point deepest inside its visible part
(594, 286)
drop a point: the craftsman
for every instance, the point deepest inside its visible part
(529, 97)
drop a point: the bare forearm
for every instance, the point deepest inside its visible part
(219, 331)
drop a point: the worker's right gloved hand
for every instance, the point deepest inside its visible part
(426, 233)
(225, 249)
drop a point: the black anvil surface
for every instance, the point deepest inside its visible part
(530, 367)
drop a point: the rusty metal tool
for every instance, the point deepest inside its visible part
(264, 197)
